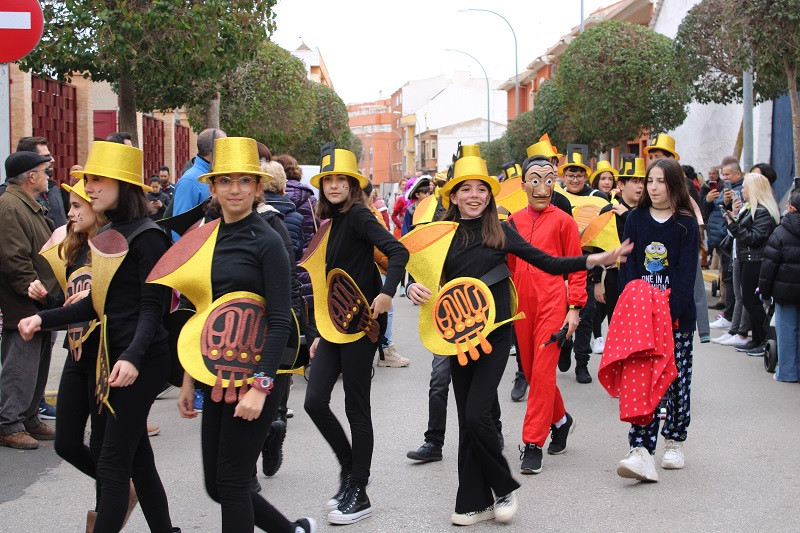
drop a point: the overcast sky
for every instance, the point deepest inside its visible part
(378, 45)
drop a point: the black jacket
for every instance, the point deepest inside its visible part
(293, 221)
(780, 269)
(751, 234)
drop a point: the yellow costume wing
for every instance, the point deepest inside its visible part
(599, 231)
(50, 252)
(512, 197)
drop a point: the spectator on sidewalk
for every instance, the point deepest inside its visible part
(50, 199)
(166, 182)
(156, 199)
(25, 363)
(780, 280)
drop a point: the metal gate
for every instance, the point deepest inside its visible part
(181, 149)
(55, 117)
(152, 144)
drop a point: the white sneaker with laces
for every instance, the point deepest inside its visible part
(719, 340)
(734, 341)
(473, 517)
(599, 345)
(505, 507)
(721, 323)
(673, 455)
(638, 465)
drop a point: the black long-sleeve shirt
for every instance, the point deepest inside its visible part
(350, 247)
(468, 257)
(250, 256)
(135, 310)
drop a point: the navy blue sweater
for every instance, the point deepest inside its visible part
(664, 255)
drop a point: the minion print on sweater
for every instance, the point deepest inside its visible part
(655, 262)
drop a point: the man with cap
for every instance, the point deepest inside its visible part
(25, 363)
(50, 199)
(548, 307)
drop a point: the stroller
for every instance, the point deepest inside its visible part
(771, 351)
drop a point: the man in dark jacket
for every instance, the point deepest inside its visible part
(274, 188)
(25, 363)
(50, 199)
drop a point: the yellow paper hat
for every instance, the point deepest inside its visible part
(577, 156)
(234, 155)
(469, 166)
(77, 189)
(543, 147)
(512, 170)
(116, 161)
(632, 167)
(603, 166)
(337, 161)
(662, 141)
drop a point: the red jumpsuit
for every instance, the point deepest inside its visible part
(544, 300)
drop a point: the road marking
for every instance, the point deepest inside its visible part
(15, 20)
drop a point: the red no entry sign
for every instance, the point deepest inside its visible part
(21, 24)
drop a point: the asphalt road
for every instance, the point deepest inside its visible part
(741, 475)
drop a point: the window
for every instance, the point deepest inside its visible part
(433, 149)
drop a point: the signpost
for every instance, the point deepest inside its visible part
(21, 25)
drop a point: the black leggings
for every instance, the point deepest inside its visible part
(76, 403)
(482, 469)
(749, 279)
(126, 453)
(354, 362)
(606, 310)
(231, 447)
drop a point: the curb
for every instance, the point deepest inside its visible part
(50, 396)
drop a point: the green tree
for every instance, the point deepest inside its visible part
(549, 114)
(518, 136)
(160, 54)
(621, 80)
(267, 98)
(719, 39)
(330, 125)
(356, 146)
(496, 154)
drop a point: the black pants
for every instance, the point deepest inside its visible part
(482, 469)
(750, 272)
(231, 447)
(354, 362)
(76, 404)
(726, 273)
(437, 401)
(606, 310)
(126, 453)
(583, 335)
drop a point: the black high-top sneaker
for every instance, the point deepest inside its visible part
(353, 507)
(333, 503)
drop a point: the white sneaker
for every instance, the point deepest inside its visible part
(734, 341)
(468, 519)
(673, 455)
(722, 338)
(505, 507)
(392, 359)
(638, 465)
(721, 323)
(598, 345)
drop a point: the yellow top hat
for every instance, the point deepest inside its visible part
(470, 166)
(577, 155)
(603, 166)
(512, 170)
(234, 155)
(664, 142)
(116, 161)
(543, 147)
(77, 189)
(337, 161)
(632, 167)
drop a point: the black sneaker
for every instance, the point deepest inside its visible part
(520, 387)
(427, 453)
(757, 351)
(582, 374)
(531, 456)
(565, 357)
(750, 345)
(558, 436)
(305, 525)
(333, 503)
(353, 507)
(272, 453)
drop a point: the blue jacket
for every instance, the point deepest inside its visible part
(188, 191)
(292, 219)
(717, 228)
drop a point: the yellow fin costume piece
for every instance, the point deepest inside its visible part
(512, 197)
(596, 230)
(50, 252)
(458, 317)
(108, 250)
(425, 210)
(340, 294)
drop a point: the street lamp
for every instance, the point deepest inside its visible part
(516, 61)
(488, 92)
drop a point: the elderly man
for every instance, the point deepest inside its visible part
(189, 191)
(25, 364)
